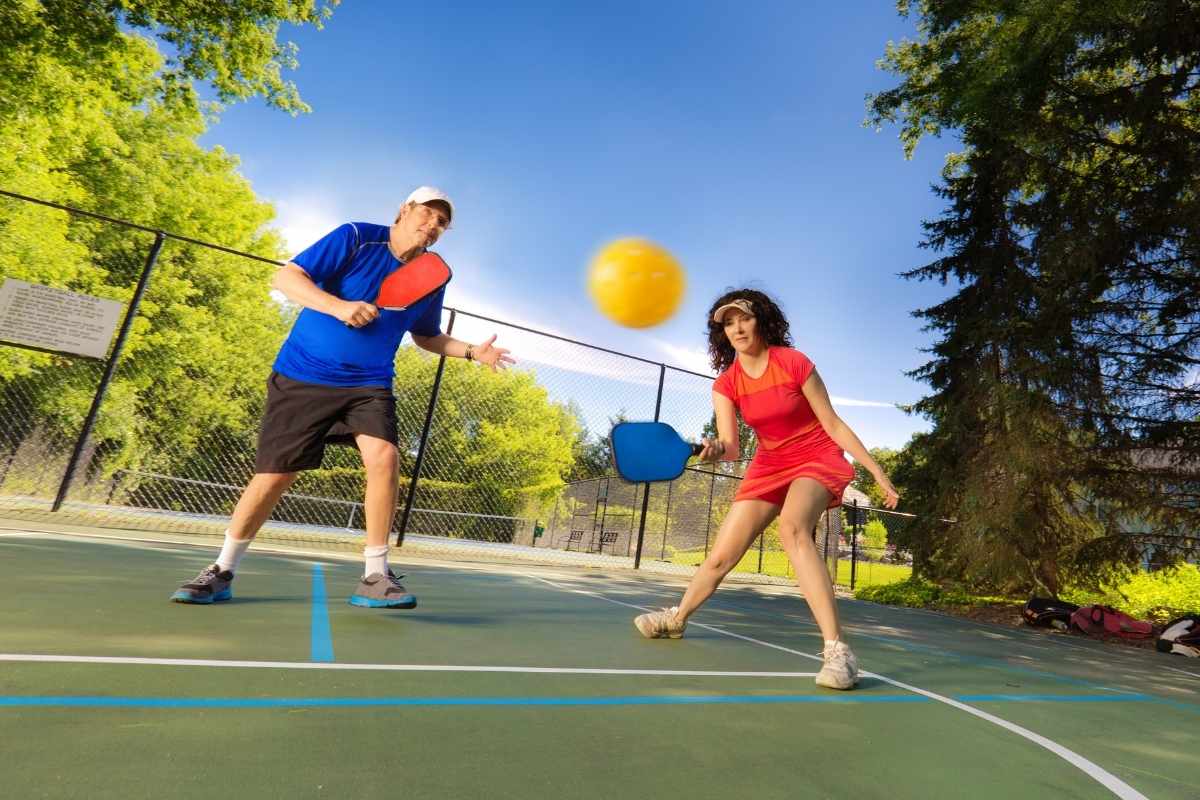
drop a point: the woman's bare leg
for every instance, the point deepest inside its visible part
(745, 520)
(806, 500)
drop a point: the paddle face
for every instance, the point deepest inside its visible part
(649, 451)
(413, 282)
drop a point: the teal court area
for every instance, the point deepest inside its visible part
(526, 681)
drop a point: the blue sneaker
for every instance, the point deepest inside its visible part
(382, 591)
(212, 585)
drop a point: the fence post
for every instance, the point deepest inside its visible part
(666, 522)
(854, 547)
(552, 523)
(9, 462)
(762, 537)
(637, 556)
(433, 397)
(90, 421)
(112, 490)
(829, 530)
(603, 515)
(632, 517)
(712, 488)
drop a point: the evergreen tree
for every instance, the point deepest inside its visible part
(1065, 397)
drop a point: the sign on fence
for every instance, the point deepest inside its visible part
(46, 318)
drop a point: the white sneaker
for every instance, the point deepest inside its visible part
(841, 667)
(663, 624)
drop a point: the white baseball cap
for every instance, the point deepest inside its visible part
(426, 194)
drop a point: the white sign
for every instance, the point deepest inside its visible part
(55, 319)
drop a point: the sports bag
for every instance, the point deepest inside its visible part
(1101, 621)
(1048, 612)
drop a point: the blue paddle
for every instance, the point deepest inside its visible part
(650, 451)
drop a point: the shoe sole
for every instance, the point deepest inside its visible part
(192, 600)
(839, 687)
(367, 602)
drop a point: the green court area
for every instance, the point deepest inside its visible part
(517, 682)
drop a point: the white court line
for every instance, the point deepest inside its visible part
(213, 543)
(203, 662)
(1090, 768)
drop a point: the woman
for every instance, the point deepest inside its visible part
(798, 471)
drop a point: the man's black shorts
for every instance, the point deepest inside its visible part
(301, 418)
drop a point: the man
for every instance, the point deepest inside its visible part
(332, 383)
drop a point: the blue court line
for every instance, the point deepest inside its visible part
(341, 702)
(1191, 708)
(322, 640)
(94, 701)
(1055, 698)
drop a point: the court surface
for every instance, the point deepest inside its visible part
(518, 682)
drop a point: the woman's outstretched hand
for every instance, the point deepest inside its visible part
(891, 497)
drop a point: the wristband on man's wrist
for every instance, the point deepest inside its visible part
(469, 355)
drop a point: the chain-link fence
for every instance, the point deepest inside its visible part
(867, 553)
(160, 434)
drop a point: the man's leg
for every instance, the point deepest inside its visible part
(379, 588)
(258, 500)
(381, 461)
(254, 507)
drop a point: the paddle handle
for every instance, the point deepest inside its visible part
(696, 448)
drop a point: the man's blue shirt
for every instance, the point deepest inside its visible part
(351, 263)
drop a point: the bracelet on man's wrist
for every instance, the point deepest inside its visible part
(469, 355)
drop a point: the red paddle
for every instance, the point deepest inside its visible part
(413, 282)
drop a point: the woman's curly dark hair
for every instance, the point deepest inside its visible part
(772, 326)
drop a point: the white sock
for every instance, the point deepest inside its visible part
(232, 552)
(376, 560)
(829, 644)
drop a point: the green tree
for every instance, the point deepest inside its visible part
(233, 47)
(498, 443)
(93, 116)
(593, 451)
(1067, 352)
(875, 535)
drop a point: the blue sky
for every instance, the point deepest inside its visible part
(730, 134)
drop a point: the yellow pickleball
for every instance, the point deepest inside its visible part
(636, 283)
